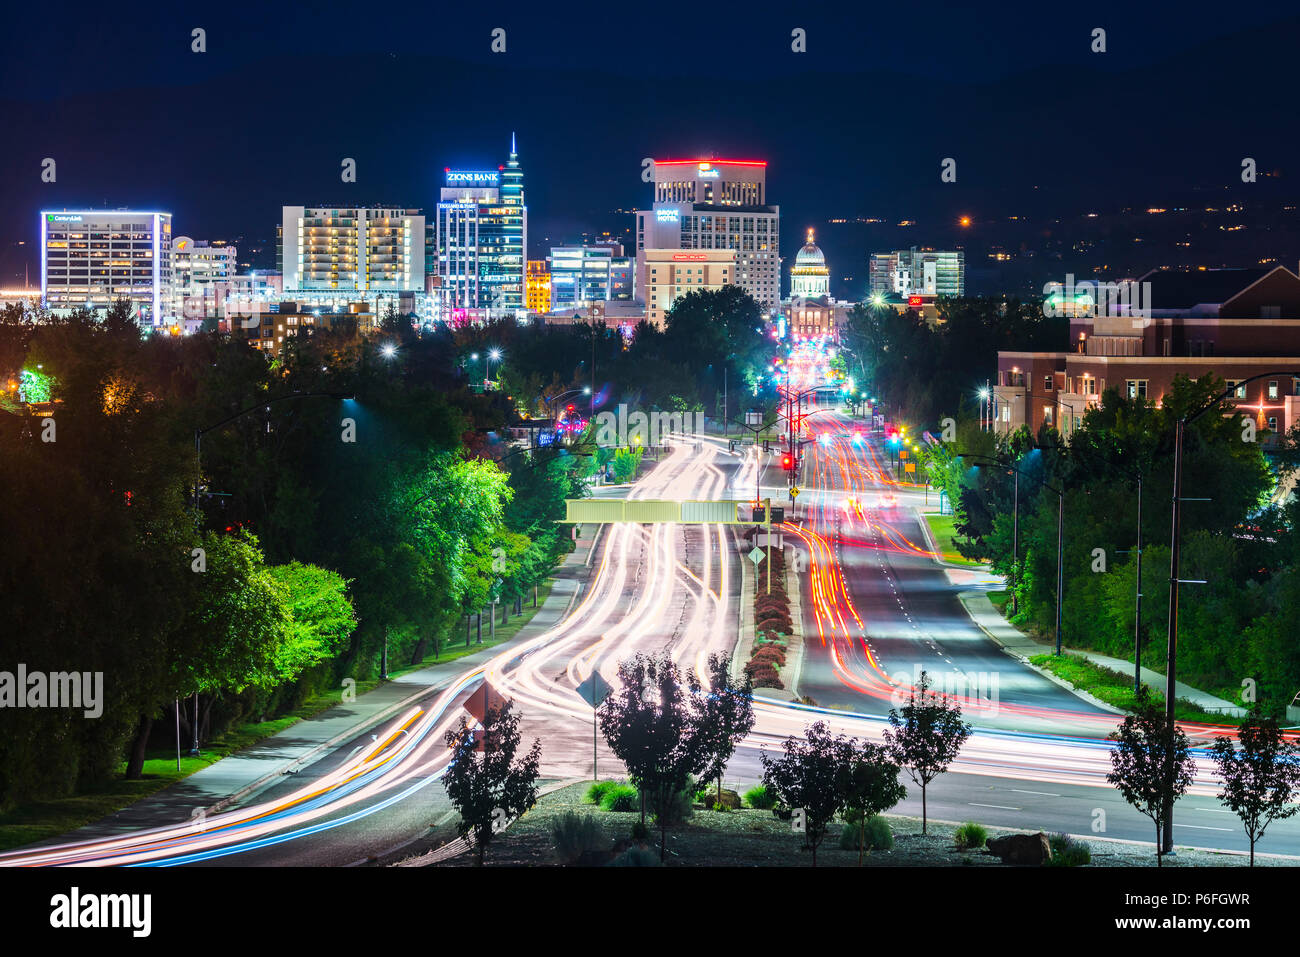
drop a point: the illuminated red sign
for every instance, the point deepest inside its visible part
(690, 257)
(914, 301)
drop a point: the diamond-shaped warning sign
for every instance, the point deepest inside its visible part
(756, 555)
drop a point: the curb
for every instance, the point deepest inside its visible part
(1062, 683)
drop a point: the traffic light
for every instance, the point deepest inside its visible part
(787, 462)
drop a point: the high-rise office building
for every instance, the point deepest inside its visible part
(351, 250)
(482, 238)
(585, 274)
(711, 204)
(199, 271)
(927, 273)
(89, 258)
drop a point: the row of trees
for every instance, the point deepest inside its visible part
(328, 532)
(1152, 766)
(1233, 632)
(821, 775)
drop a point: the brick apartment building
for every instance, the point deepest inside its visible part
(1236, 323)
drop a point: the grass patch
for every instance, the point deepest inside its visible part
(943, 530)
(1116, 688)
(39, 820)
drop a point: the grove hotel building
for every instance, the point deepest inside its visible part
(89, 258)
(709, 205)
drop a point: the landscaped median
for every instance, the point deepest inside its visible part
(567, 827)
(773, 624)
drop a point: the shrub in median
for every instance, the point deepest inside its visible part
(596, 793)
(760, 798)
(765, 676)
(576, 836)
(621, 797)
(878, 835)
(1067, 852)
(970, 836)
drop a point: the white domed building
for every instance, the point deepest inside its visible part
(810, 278)
(810, 312)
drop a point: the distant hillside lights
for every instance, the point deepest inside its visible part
(1093, 298)
(619, 429)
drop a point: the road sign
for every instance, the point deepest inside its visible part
(485, 697)
(594, 689)
(909, 467)
(756, 555)
(794, 491)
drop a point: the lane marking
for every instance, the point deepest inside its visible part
(1041, 793)
(1003, 807)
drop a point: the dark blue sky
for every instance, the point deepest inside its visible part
(856, 126)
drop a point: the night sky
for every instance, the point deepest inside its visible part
(857, 126)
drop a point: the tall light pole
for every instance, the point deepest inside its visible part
(1060, 534)
(198, 485)
(1175, 570)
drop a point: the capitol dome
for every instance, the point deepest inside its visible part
(810, 278)
(810, 254)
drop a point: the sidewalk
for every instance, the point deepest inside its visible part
(1016, 643)
(232, 779)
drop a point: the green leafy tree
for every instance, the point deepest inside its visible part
(1150, 764)
(870, 787)
(810, 778)
(925, 736)
(487, 780)
(321, 618)
(728, 717)
(654, 723)
(1260, 779)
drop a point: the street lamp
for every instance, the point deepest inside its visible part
(198, 483)
(1060, 535)
(1175, 563)
(493, 356)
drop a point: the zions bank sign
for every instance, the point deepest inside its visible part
(473, 177)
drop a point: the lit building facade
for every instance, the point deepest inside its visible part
(199, 270)
(354, 250)
(708, 204)
(585, 274)
(1234, 324)
(928, 273)
(89, 258)
(537, 287)
(481, 239)
(672, 273)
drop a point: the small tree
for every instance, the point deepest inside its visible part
(811, 777)
(479, 787)
(654, 724)
(1150, 764)
(870, 786)
(927, 735)
(1261, 778)
(728, 717)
